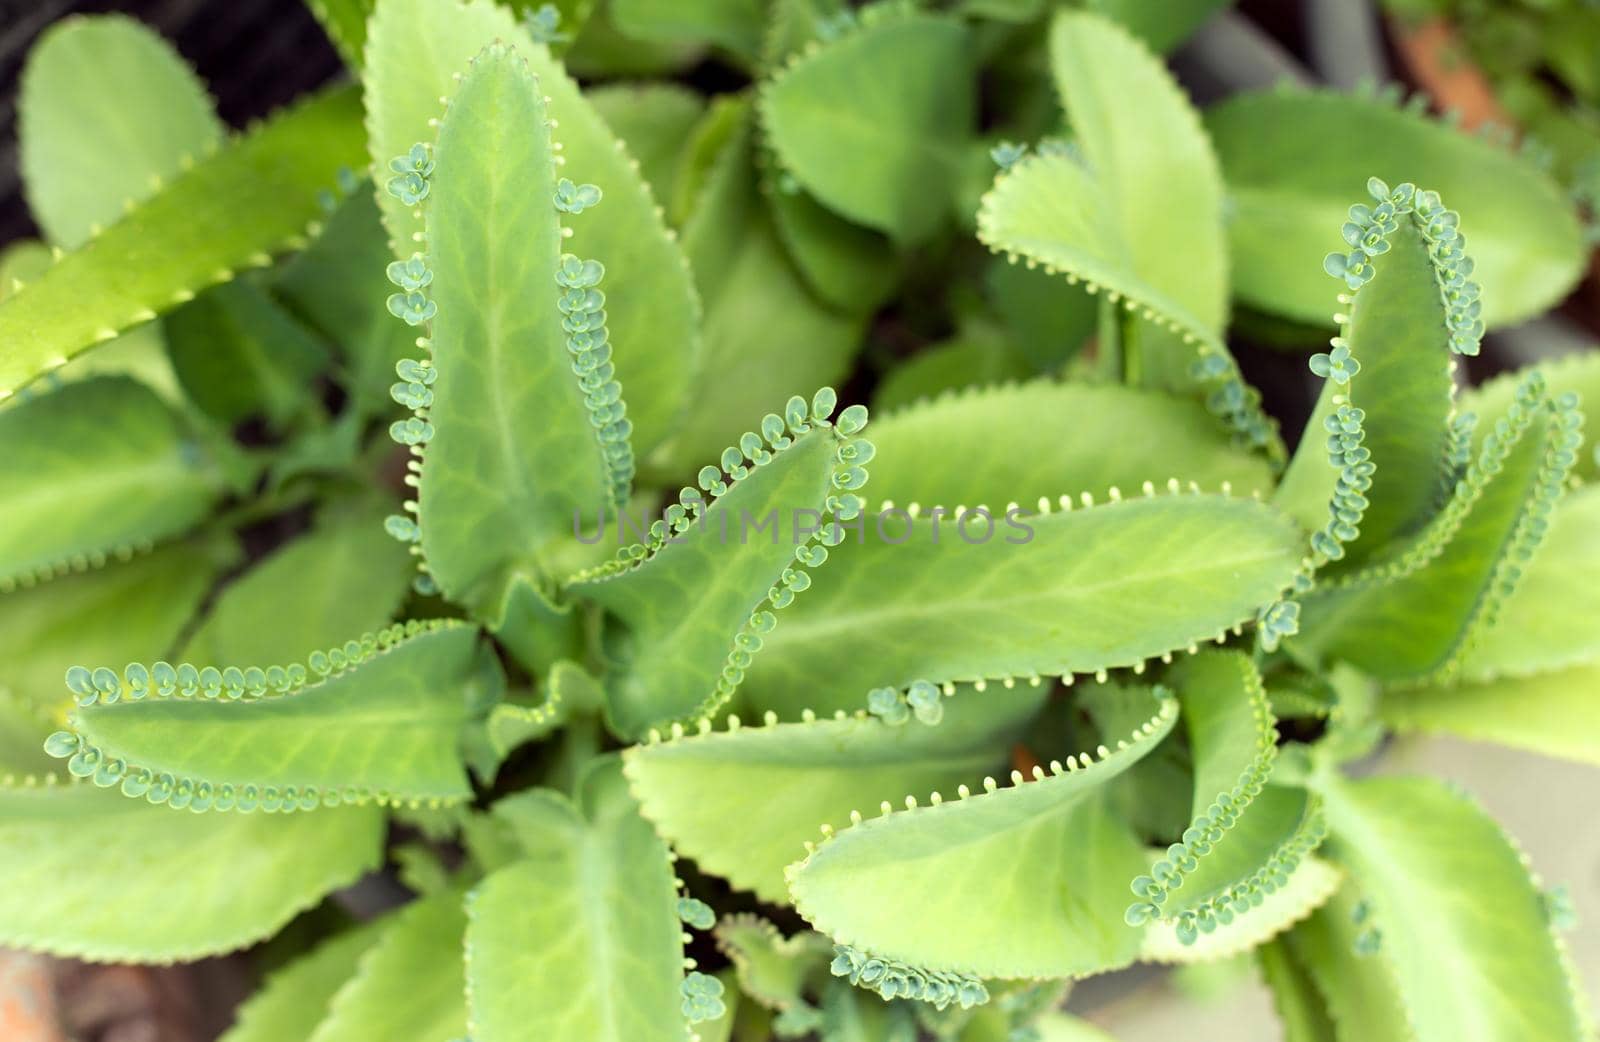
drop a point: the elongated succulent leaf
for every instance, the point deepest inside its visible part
(1412, 615)
(1553, 713)
(294, 1000)
(1468, 969)
(734, 25)
(522, 406)
(872, 122)
(1311, 884)
(1578, 373)
(656, 121)
(1048, 855)
(1411, 310)
(244, 876)
(1302, 1013)
(23, 727)
(1335, 947)
(108, 110)
(255, 196)
(695, 603)
(785, 780)
(1292, 157)
(414, 50)
(1015, 444)
(581, 938)
(410, 984)
(1092, 589)
(97, 469)
(379, 718)
(340, 578)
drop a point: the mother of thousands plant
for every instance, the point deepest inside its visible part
(840, 738)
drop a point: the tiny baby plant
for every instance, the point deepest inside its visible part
(443, 484)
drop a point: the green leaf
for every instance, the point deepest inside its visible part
(976, 357)
(581, 938)
(1552, 713)
(238, 355)
(337, 286)
(568, 689)
(851, 268)
(696, 600)
(97, 469)
(1162, 25)
(111, 614)
(1357, 984)
(784, 781)
(415, 49)
(872, 123)
(256, 195)
(411, 984)
(1577, 373)
(345, 22)
(1401, 332)
(733, 25)
(64, 891)
(1411, 616)
(1062, 1027)
(1048, 324)
(773, 969)
(655, 121)
(1292, 157)
(108, 111)
(1017, 444)
(1302, 1013)
(379, 718)
(23, 727)
(340, 578)
(1308, 886)
(1093, 589)
(511, 412)
(1468, 969)
(1050, 859)
(293, 1001)
(764, 332)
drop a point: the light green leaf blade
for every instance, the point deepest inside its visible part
(1311, 884)
(1038, 859)
(294, 1000)
(1063, 1027)
(385, 724)
(772, 969)
(23, 728)
(1017, 444)
(655, 121)
(414, 50)
(1555, 713)
(1468, 969)
(1302, 1013)
(872, 123)
(411, 984)
(785, 781)
(1412, 615)
(345, 22)
(1577, 373)
(976, 357)
(257, 195)
(96, 469)
(107, 112)
(243, 876)
(1292, 158)
(1100, 588)
(341, 578)
(118, 613)
(519, 454)
(1162, 25)
(581, 938)
(733, 25)
(1358, 985)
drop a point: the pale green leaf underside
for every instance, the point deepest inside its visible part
(1411, 615)
(340, 578)
(1397, 331)
(95, 469)
(681, 609)
(1023, 881)
(107, 112)
(1018, 443)
(872, 123)
(293, 1001)
(92, 875)
(387, 728)
(1578, 373)
(783, 782)
(1099, 588)
(414, 49)
(410, 984)
(514, 462)
(1470, 967)
(1358, 989)
(1292, 160)
(257, 195)
(581, 939)
(119, 613)
(1555, 713)
(1309, 886)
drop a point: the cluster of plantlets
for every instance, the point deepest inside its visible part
(796, 761)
